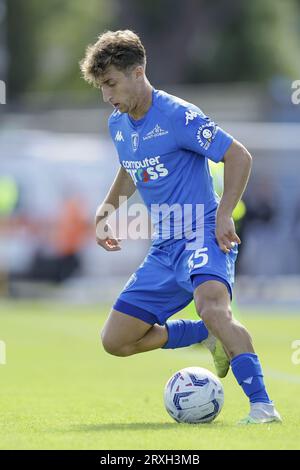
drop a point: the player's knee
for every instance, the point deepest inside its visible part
(212, 304)
(111, 347)
(215, 315)
(108, 344)
(116, 350)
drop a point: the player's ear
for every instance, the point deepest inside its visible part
(139, 72)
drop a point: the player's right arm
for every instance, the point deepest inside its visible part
(122, 186)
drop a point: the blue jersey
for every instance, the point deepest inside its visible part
(166, 153)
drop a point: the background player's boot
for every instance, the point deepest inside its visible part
(262, 413)
(220, 357)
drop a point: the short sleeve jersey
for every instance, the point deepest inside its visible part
(166, 153)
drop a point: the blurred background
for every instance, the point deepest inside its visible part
(237, 60)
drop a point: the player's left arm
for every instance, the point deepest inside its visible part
(237, 167)
(198, 133)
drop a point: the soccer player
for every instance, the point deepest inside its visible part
(164, 144)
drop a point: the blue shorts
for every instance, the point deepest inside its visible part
(165, 281)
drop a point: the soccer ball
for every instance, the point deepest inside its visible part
(194, 395)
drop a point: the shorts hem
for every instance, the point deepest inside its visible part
(134, 311)
(198, 279)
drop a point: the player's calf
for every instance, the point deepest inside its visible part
(124, 335)
(212, 302)
(122, 332)
(128, 349)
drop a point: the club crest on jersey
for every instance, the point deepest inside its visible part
(134, 141)
(206, 134)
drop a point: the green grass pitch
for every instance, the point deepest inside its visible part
(60, 390)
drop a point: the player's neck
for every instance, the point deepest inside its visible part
(144, 102)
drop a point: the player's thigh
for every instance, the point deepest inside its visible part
(121, 329)
(212, 301)
(211, 274)
(211, 293)
(152, 293)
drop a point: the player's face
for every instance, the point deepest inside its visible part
(120, 89)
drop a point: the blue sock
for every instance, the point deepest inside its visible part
(248, 372)
(184, 333)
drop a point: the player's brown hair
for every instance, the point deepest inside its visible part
(122, 49)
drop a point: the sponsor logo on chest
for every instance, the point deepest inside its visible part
(148, 169)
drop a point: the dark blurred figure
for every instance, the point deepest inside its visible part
(257, 228)
(61, 240)
(261, 206)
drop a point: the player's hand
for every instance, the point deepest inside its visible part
(105, 237)
(225, 233)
